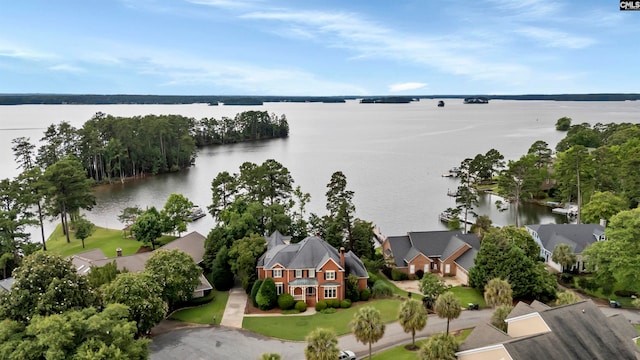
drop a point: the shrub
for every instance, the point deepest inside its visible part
(267, 298)
(352, 292)
(587, 284)
(419, 274)
(328, 311)
(372, 279)
(254, 291)
(398, 275)
(381, 289)
(625, 293)
(285, 301)
(566, 279)
(321, 305)
(333, 303)
(365, 294)
(345, 304)
(301, 306)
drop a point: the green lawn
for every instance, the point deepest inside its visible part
(209, 313)
(624, 301)
(400, 353)
(468, 295)
(297, 327)
(108, 240)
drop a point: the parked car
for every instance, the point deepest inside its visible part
(614, 304)
(347, 355)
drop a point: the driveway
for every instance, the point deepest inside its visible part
(219, 342)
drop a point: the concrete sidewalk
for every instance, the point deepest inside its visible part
(234, 311)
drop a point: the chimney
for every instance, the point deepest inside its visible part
(118, 252)
(342, 256)
(603, 223)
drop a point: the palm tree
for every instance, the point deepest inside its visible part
(412, 317)
(439, 347)
(567, 297)
(322, 344)
(501, 313)
(448, 307)
(367, 326)
(563, 255)
(498, 292)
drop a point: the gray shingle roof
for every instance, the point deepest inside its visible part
(434, 244)
(310, 253)
(577, 236)
(5, 284)
(484, 335)
(578, 331)
(521, 308)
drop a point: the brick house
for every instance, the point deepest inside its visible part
(310, 270)
(447, 253)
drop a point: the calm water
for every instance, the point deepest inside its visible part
(393, 155)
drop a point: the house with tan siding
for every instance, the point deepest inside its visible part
(447, 253)
(311, 270)
(536, 331)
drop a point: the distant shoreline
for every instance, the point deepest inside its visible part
(241, 100)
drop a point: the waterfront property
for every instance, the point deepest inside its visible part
(310, 270)
(536, 331)
(192, 244)
(577, 236)
(447, 253)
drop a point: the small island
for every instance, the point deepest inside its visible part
(476, 100)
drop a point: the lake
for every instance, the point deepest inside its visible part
(392, 154)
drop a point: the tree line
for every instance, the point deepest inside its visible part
(114, 148)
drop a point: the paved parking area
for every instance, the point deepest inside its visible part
(219, 342)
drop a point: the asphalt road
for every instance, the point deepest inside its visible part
(221, 342)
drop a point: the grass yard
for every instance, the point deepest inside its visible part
(297, 327)
(209, 313)
(624, 301)
(400, 353)
(107, 240)
(468, 295)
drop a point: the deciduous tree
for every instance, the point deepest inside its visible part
(176, 212)
(148, 227)
(431, 287)
(83, 228)
(176, 273)
(567, 297)
(603, 205)
(243, 257)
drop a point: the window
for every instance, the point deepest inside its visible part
(330, 275)
(312, 273)
(412, 269)
(298, 273)
(310, 291)
(277, 273)
(279, 288)
(330, 292)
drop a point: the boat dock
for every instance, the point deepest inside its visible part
(568, 210)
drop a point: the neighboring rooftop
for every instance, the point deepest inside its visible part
(577, 236)
(6, 284)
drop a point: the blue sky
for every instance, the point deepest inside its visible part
(302, 47)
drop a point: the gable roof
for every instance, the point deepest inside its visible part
(433, 244)
(483, 335)
(192, 244)
(310, 253)
(5, 284)
(578, 331)
(577, 236)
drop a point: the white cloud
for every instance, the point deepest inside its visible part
(406, 86)
(528, 8)
(228, 4)
(553, 38)
(67, 68)
(8, 49)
